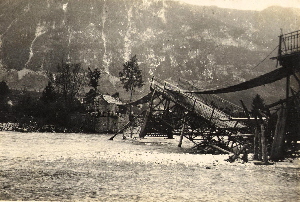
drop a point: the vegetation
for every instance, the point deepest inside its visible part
(131, 76)
(68, 81)
(4, 107)
(4, 90)
(49, 94)
(93, 77)
(258, 102)
(58, 107)
(258, 106)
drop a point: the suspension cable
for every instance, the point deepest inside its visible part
(265, 58)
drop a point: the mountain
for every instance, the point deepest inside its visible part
(209, 46)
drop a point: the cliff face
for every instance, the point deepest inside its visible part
(210, 46)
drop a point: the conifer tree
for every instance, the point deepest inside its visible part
(94, 77)
(131, 76)
(49, 94)
(258, 106)
(93, 82)
(68, 81)
(4, 90)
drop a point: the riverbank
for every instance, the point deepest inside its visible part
(89, 167)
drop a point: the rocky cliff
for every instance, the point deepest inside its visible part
(210, 46)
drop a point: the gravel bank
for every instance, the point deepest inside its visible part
(89, 167)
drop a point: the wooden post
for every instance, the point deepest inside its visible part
(259, 143)
(278, 142)
(131, 119)
(182, 132)
(143, 127)
(148, 113)
(256, 146)
(263, 144)
(107, 122)
(287, 90)
(169, 133)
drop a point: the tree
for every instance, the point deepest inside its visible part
(4, 106)
(90, 96)
(258, 106)
(49, 94)
(131, 76)
(94, 77)
(4, 90)
(68, 81)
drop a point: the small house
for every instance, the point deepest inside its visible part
(109, 118)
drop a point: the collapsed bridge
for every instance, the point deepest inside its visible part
(206, 120)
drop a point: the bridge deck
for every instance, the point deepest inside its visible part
(195, 104)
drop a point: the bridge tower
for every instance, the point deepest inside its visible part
(288, 130)
(289, 58)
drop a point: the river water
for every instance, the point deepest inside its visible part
(89, 167)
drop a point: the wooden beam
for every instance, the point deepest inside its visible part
(263, 144)
(281, 101)
(212, 114)
(288, 81)
(296, 77)
(256, 144)
(182, 133)
(241, 119)
(221, 149)
(143, 127)
(276, 103)
(245, 109)
(277, 145)
(120, 130)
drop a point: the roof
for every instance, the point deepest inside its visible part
(111, 100)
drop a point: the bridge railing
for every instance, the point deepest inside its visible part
(289, 43)
(215, 101)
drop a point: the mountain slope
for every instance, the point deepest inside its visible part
(210, 46)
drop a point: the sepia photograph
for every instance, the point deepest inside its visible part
(150, 100)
